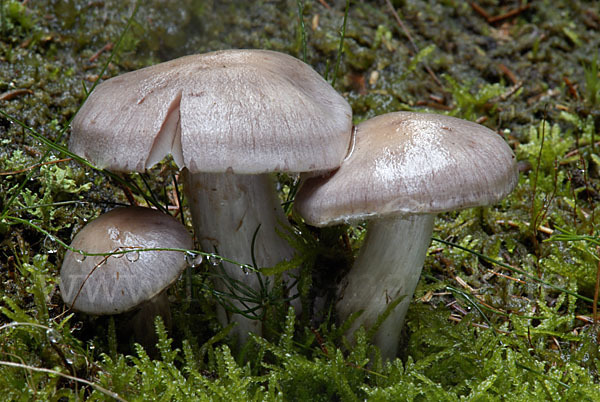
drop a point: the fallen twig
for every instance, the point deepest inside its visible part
(497, 18)
(14, 93)
(106, 48)
(506, 71)
(324, 4)
(34, 166)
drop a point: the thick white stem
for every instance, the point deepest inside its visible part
(227, 209)
(387, 268)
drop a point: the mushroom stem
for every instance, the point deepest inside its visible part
(387, 268)
(227, 210)
(141, 321)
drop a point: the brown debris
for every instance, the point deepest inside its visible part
(324, 4)
(357, 82)
(9, 95)
(572, 88)
(33, 167)
(509, 74)
(492, 19)
(106, 48)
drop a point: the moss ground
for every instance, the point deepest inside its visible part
(505, 307)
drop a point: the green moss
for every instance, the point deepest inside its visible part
(500, 313)
(17, 16)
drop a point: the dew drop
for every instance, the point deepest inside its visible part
(193, 259)
(69, 356)
(117, 250)
(79, 256)
(53, 335)
(214, 260)
(50, 245)
(133, 256)
(244, 269)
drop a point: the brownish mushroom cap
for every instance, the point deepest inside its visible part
(119, 283)
(411, 163)
(250, 111)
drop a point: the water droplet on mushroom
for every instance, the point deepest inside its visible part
(133, 256)
(193, 259)
(53, 335)
(79, 256)
(214, 260)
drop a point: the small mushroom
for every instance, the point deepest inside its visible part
(230, 118)
(403, 170)
(124, 282)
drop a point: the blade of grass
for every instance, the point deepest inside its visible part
(153, 197)
(129, 250)
(595, 306)
(341, 46)
(300, 4)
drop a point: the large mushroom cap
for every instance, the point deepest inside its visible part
(251, 111)
(412, 163)
(123, 282)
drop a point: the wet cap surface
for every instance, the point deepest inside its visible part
(123, 282)
(250, 111)
(412, 163)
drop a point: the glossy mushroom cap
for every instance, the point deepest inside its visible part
(247, 111)
(411, 163)
(123, 282)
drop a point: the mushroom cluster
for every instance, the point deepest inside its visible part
(231, 118)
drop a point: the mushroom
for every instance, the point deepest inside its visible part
(230, 118)
(129, 279)
(403, 170)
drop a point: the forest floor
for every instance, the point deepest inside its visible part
(506, 303)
